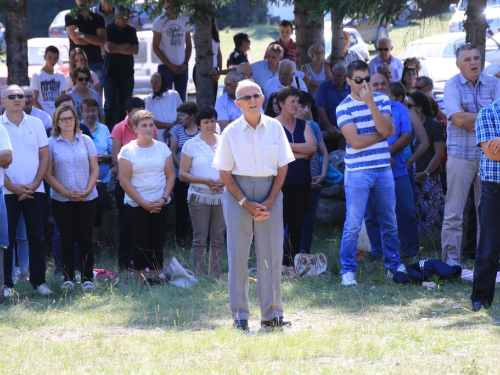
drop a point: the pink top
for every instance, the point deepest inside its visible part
(122, 132)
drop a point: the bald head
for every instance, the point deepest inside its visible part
(379, 83)
(245, 70)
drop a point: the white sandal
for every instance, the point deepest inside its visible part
(68, 285)
(88, 286)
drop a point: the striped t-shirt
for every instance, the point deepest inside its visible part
(180, 132)
(357, 112)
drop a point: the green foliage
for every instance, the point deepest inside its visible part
(241, 13)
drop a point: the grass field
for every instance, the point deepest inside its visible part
(378, 327)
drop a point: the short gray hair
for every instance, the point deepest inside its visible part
(244, 84)
(339, 66)
(287, 64)
(8, 88)
(384, 40)
(237, 76)
(314, 48)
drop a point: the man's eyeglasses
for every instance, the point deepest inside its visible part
(13, 96)
(66, 119)
(247, 98)
(359, 80)
(420, 87)
(81, 79)
(383, 49)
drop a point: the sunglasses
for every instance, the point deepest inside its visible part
(123, 17)
(81, 79)
(359, 80)
(466, 46)
(247, 98)
(383, 49)
(13, 96)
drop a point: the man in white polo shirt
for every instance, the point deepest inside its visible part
(252, 158)
(23, 187)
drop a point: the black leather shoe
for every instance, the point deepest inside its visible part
(277, 322)
(476, 306)
(241, 324)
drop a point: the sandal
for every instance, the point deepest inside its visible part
(68, 285)
(88, 286)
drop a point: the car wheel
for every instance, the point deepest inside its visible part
(381, 33)
(403, 18)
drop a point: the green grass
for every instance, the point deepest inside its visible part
(378, 327)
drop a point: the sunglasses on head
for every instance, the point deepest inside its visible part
(81, 79)
(13, 96)
(359, 80)
(383, 49)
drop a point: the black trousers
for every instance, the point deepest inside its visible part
(125, 239)
(75, 221)
(148, 236)
(295, 201)
(182, 227)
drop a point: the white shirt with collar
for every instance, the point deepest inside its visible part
(396, 67)
(253, 152)
(4, 145)
(26, 139)
(164, 108)
(274, 85)
(42, 116)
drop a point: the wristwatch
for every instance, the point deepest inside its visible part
(427, 173)
(166, 200)
(242, 201)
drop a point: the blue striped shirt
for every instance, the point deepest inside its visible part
(488, 127)
(357, 112)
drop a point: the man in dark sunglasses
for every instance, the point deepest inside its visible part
(365, 120)
(384, 47)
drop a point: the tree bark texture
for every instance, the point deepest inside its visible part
(16, 38)
(204, 54)
(307, 31)
(337, 53)
(476, 25)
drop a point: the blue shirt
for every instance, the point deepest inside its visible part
(329, 97)
(357, 112)
(487, 127)
(261, 73)
(104, 145)
(401, 121)
(78, 101)
(226, 109)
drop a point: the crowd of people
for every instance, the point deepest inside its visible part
(250, 169)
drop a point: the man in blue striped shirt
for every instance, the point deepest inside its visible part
(487, 127)
(365, 120)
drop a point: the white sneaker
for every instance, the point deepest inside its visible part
(68, 285)
(7, 292)
(348, 279)
(88, 286)
(401, 268)
(43, 289)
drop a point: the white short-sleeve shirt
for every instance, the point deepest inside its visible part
(253, 152)
(148, 169)
(173, 37)
(26, 139)
(4, 145)
(49, 87)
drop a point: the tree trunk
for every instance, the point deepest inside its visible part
(204, 55)
(337, 54)
(16, 38)
(476, 25)
(307, 31)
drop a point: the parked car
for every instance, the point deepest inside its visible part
(357, 42)
(370, 31)
(408, 13)
(57, 27)
(492, 12)
(36, 51)
(437, 56)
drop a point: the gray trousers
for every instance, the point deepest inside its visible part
(268, 234)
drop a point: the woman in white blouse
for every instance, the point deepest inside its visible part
(147, 177)
(72, 175)
(205, 193)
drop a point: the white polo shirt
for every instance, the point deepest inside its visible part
(4, 145)
(253, 152)
(26, 140)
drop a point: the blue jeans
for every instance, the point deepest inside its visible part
(359, 185)
(116, 93)
(179, 81)
(488, 250)
(22, 253)
(307, 228)
(4, 231)
(99, 70)
(32, 210)
(406, 219)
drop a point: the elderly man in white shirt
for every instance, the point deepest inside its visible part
(227, 111)
(23, 188)
(33, 111)
(384, 47)
(252, 158)
(286, 77)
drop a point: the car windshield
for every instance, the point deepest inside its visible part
(491, 4)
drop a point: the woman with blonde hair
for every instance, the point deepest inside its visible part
(77, 58)
(317, 70)
(72, 175)
(147, 176)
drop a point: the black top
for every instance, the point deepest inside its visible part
(118, 64)
(299, 171)
(435, 132)
(94, 21)
(236, 58)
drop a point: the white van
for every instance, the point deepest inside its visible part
(146, 63)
